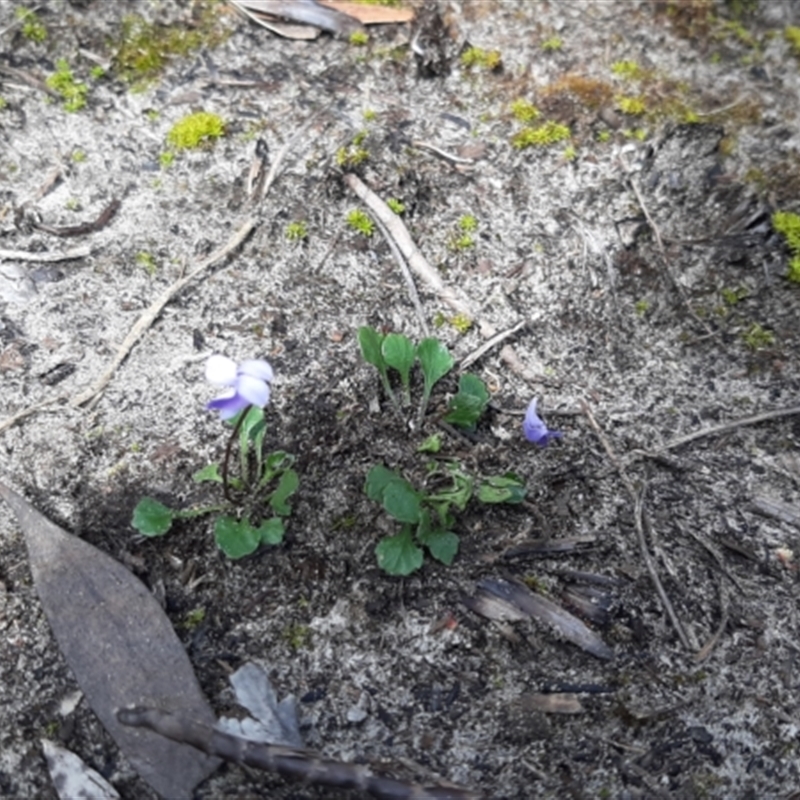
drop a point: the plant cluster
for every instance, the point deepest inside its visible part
(489, 60)
(426, 513)
(463, 239)
(548, 133)
(145, 48)
(195, 130)
(63, 82)
(265, 483)
(359, 221)
(32, 28)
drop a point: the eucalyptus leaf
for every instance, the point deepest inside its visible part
(152, 518)
(398, 555)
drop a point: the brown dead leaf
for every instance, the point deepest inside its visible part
(369, 14)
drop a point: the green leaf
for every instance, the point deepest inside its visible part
(252, 426)
(209, 473)
(399, 353)
(433, 444)
(401, 501)
(151, 518)
(369, 340)
(435, 361)
(271, 531)
(378, 478)
(470, 402)
(236, 538)
(274, 464)
(502, 489)
(443, 545)
(287, 486)
(398, 555)
(458, 495)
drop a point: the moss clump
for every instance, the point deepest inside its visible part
(490, 60)
(628, 70)
(792, 35)
(524, 110)
(359, 221)
(63, 82)
(359, 38)
(195, 130)
(549, 133)
(296, 231)
(32, 28)
(634, 106)
(788, 225)
(553, 43)
(396, 205)
(757, 338)
(145, 49)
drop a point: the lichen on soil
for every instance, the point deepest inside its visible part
(639, 251)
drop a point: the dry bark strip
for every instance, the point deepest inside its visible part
(289, 762)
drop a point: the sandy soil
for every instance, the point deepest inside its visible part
(639, 255)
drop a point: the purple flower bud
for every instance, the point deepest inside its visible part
(534, 428)
(249, 384)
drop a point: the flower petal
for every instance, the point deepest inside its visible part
(221, 370)
(229, 405)
(253, 390)
(257, 368)
(535, 429)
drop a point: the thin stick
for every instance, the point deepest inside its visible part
(423, 269)
(469, 360)
(638, 501)
(30, 411)
(657, 233)
(49, 258)
(151, 314)
(412, 289)
(705, 651)
(730, 426)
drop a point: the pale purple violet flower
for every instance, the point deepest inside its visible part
(534, 428)
(249, 384)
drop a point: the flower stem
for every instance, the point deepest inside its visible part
(225, 485)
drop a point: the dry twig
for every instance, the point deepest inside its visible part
(659, 241)
(412, 289)
(423, 269)
(25, 255)
(150, 314)
(638, 501)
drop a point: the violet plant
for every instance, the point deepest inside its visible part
(256, 500)
(427, 513)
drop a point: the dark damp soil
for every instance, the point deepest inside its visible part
(662, 323)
